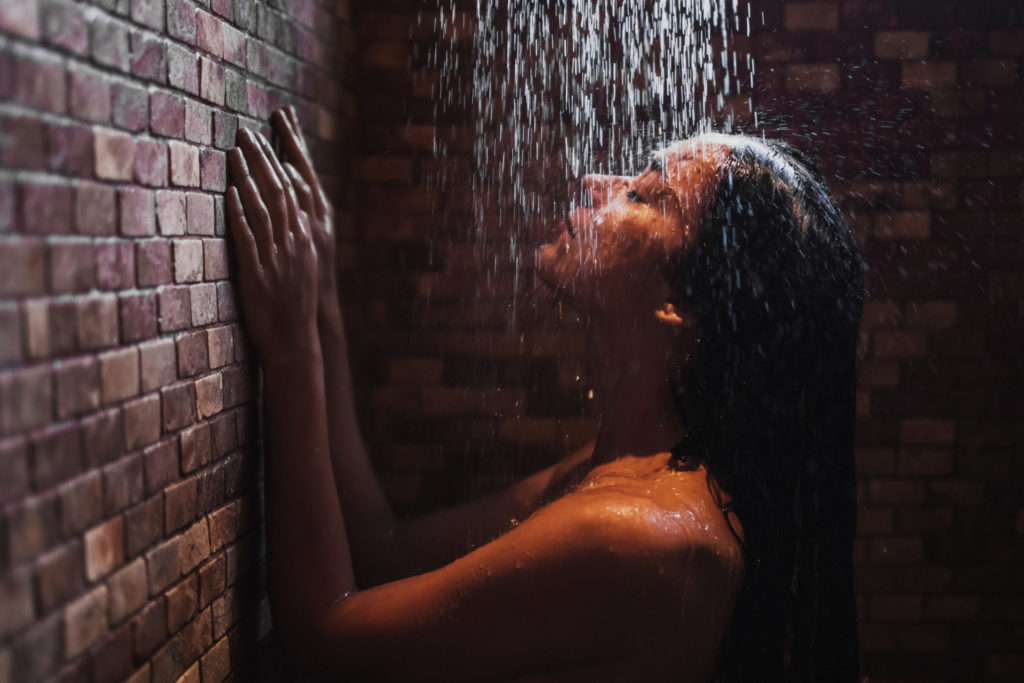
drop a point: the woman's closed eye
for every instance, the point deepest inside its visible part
(634, 197)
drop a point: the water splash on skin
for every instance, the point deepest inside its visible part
(561, 88)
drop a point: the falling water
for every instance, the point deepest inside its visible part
(561, 88)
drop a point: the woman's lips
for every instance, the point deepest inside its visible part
(566, 226)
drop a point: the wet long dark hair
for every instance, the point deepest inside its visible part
(776, 286)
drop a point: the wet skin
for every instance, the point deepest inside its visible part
(622, 570)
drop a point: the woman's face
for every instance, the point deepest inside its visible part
(609, 255)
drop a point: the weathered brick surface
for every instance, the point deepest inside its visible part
(119, 342)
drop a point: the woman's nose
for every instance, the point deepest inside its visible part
(602, 188)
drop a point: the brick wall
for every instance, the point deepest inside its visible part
(914, 109)
(129, 506)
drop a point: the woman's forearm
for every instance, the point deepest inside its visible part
(309, 562)
(370, 522)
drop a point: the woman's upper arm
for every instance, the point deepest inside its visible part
(582, 580)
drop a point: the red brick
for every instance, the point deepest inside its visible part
(220, 345)
(224, 436)
(149, 58)
(227, 309)
(234, 46)
(952, 608)
(25, 146)
(115, 265)
(22, 266)
(179, 505)
(215, 259)
(224, 612)
(11, 332)
(896, 491)
(71, 150)
(183, 69)
(197, 636)
(142, 421)
(28, 400)
(59, 575)
(45, 208)
(128, 590)
(37, 327)
(212, 170)
(195, 447)
(64, 26)
(158, 361)
(95, 209)
(90, 96)
(137, 214)
(184, 164)
(97, 321)
(78, 386)
(181, 20)
(72, 267)
(902, 225)
(144, 525)
(114, 154)
(901, 44)
(151, 163)
(209, 36)
(192, 353)
(40, 84)
(160, 465)
(198, 123)
(109, 42)
(14, 479)
(16, 608)
(130, 107)
(179, 406)
(1009, 41)
(102, 435)
(162, 565)
(209, 395)
(149, 13)
(56, 454)
(216, 663)
(188, 261)
(138, 316)
(122, 483)
(989, 73)
(167, 114)
(149, 629)
(175, 308)
(204, 304)
(200, 214)
(182, 603)
(211, 81)
(85, 621)
(928, 75)
(225, 126)
(194, 546)
(104, 548)
(170, 208)
(895, 608)
(112, 659)
(212, 577)
(153, 258)
(900, 344)
(21, 19)
(927, 431)
(33, 527)
(894, 550)
(81, 503)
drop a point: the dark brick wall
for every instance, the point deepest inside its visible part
(915, 110)
(129, 506)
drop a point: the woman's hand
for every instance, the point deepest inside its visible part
(312, 200)
(277, 261)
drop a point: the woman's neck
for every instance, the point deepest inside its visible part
(632, 365)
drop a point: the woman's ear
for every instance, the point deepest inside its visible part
(667, 314)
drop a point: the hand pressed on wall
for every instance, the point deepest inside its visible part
(313, 200)
(277, 261)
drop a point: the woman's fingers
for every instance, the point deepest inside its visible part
(286, 183)
(255, 212)
(302, 191)
(288, 130)
(270, 186)
(245, 243)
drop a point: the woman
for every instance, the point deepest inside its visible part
(705, 535)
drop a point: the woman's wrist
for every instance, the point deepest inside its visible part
(293, 353)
